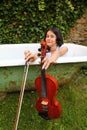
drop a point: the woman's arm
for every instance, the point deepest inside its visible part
(54, 56)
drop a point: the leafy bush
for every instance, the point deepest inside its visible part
(26, 21)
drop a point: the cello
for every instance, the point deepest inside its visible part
(47, 86)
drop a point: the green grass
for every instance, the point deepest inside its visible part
(73, 99)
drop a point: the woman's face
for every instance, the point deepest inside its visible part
(51, 39)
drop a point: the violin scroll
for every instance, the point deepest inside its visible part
(44, 49)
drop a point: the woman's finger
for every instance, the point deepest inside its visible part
(46, 64)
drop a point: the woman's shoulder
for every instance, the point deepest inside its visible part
(63, 45)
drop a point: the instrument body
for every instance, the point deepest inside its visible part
(47, 86)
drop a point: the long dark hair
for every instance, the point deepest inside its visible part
(56, 31)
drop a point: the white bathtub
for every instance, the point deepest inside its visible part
(13, 54)
(12, 65)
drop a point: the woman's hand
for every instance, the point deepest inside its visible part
(47, 61)
(29, 56)
(54, 56)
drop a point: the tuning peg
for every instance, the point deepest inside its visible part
(39, 54)
(39, 49)
(48, 48)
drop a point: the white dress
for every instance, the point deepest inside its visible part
(58, 48)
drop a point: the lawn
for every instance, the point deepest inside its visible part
(73, 99)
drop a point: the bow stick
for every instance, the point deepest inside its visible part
(21, 95)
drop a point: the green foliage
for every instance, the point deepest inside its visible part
(26, 21)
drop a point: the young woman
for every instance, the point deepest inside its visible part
(54, 40)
